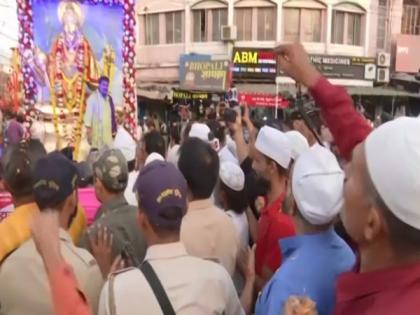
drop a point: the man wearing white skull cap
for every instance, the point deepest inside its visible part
(382, 197)
(298, 143)
(124, 142)
(312, 260)
(271, 161)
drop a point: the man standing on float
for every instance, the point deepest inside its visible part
(99, 118)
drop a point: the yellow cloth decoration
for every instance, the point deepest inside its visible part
(14, 230)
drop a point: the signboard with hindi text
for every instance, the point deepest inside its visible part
(189, 96)
(262, 100)
(211, 75)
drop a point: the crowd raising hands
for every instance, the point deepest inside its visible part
(236, 219)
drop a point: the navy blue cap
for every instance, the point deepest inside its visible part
(55, 178)
(161, 186)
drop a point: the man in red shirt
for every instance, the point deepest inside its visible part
(382, 197)
(271, 162)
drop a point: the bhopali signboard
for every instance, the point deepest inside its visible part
(205, 75)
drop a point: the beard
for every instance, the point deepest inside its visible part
(263, 185)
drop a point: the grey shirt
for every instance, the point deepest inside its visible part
(120, 218)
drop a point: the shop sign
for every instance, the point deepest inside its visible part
(254, 64)
(205, 75)
(262, 100)
(185, 95)
(344, 67)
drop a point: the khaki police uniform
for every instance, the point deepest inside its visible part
(24, 286)
(193, 285)
(120, 218)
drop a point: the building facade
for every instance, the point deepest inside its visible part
(170, 28)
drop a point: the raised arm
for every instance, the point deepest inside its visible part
(346, 125)
(67, 298)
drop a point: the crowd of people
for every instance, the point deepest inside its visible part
(226, 217)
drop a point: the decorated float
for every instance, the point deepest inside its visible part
(64, 47)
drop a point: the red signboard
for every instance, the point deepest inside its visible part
(407, 54)
(262, 100)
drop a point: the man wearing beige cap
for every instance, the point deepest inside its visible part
(313, 259)
(382, 197)
(272, 158)
(115, 214)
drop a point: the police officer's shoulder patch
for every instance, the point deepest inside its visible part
(121, 271)
(83, 255)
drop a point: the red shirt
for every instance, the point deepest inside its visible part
(273, 225)
(66, 296)
(393, 291)
(347, 126)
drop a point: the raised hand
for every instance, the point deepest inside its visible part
(101, 243)
(294, 60)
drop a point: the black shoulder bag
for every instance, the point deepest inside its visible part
(157, 288)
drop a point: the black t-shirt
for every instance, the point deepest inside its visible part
(252, 189)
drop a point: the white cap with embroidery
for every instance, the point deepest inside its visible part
(274, 144)
(232, 175)
(298, 143)
(202, 132)
(393, 161)
(317, 185)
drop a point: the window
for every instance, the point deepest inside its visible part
(151, 29)
(243, 21)
(338, 27)
(207, 24)
(353, 29)
(411, 20)
(266, 23)
(219, 19)
(291, 25)
(303, 25)
(174, 29)
(347, 28)
(382, 24)
(199, 26)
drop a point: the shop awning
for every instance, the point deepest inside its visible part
(380, 91)
(290, 89)
(156, 91)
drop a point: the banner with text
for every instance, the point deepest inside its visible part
(254, 64)
(343, 67)
(209, 75)
(262, 100)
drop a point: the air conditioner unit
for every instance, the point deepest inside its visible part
(383, 59)
(382, 75)
(229, 33)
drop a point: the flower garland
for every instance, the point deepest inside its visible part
(68, 96)
(26, 42)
